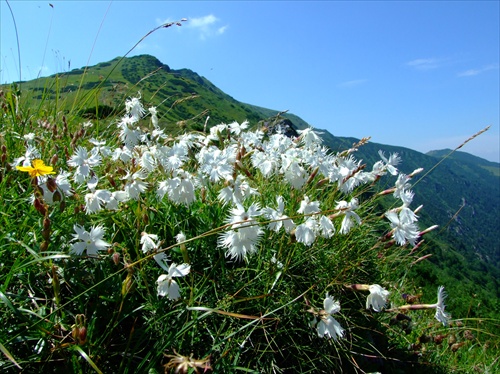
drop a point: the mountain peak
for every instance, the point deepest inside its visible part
(149, 60)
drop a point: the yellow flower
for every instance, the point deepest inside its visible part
(38, 169)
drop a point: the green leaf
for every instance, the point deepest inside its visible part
(87, 358)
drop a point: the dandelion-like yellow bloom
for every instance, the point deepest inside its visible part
(38, 169)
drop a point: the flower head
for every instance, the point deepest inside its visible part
(149, 242)
(377, 297)
(441, 315)
(350, 217)
(244, 234)
(391, 162)
(88, 241)
(327, 325)
(279, 219)
(180, 237)
(306, 232)
(95, 200)
(38, 169)
(134, 108)
(83, 163)
(308, 207)
(403, 226)
(309, 137)
(167, 286)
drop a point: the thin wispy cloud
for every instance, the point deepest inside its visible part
(202, 22)
(425, 63)
(222, 30)
(474, 72)
(206, 25)
(43, 71)
(352, 83)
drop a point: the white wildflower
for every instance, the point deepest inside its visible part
(328, 326)
(92, 241)
(377, 298)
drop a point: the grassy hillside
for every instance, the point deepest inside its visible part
(100, 91)
(473, 161)
(461, 195)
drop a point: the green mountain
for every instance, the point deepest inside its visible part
(472, 160)
(461, 195)
(184, 98)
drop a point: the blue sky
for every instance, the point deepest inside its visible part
(424, 75)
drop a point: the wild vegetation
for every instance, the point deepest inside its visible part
(148, 227)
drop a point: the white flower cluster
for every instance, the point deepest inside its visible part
(403, 219)
(180, 168)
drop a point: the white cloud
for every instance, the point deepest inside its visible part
(473, 72)
(206, 25)
(425, 63)
(222, 29)
(353, 83)
(43, 71)
(469, 73)
(202, 22)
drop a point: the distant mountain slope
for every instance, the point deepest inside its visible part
(493, 167)
(462, 196)
(183, 97)
(461, 180)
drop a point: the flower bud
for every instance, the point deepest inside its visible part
(51, 184)
(127, 284)
(313, 175)
(438, 339)
(56, 196)
(62, 206)
(455, 347)
(468, 335)
(82, 335)
(75, 333)
(111, 181)
(39, 206)
(116, 258)
(46, 223)
(54, 159)
(321, 182)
